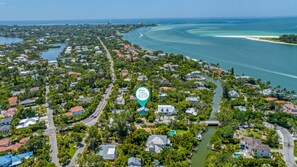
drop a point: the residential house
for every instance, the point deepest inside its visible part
(24, 140)
(241, 108)
(193, 99)
(156, 143)
(10, 112)
(25, 123)
(27, 102)
(75, 111)
(171, 67)
(161, 55)
(108, 151)
(13, 101)
(233, 94)
(10, 160)
(120, 100)
(142, 78)
(142, 110)
(34, 90)
(134, 162)
(123, 90)
(290, 108)
(150, 57)
(162, 95)
(4, 142)
(192, 111)
(6, 121)
(124, 73)
(266, 92)
(166, 109)
(5, 129)
(254, 146)
(73, 84)
(166, 88)
(164, 81)
(242, 77)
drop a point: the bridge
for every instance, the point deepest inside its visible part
(211, 123)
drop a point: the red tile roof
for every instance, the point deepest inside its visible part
(76, 108)
(10, 112)
(12, 100)
(271, 99)
(24, 140)
(4, 142)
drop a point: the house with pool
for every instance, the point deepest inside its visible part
(253, 146)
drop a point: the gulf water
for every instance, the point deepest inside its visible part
(199, 39)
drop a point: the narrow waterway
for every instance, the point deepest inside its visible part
(199, 157)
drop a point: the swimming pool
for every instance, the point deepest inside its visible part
(237, 155)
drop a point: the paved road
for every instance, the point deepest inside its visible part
(288, 144)
(51, 132)
(288, 147)
(92, 119)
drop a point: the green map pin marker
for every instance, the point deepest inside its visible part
(142, 96)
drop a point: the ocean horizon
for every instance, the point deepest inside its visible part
(135, 20)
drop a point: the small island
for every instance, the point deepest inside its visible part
(290, 39)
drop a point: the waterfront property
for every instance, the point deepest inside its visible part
(156, 143)
(108, 151)
(255, 147)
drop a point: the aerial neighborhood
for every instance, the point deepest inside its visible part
(79, 106)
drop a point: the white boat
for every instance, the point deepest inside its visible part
(140, 35)
(199, 137)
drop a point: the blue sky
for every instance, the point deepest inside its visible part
(117, 9)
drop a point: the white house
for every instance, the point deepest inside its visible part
(192, 111)
(254, 146)
(156, 143)
(120, 100)
(193, 99)
(233, 94)
(25, 123)
(266, 92)
(167, 109)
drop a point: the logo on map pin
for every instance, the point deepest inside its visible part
(142, 96)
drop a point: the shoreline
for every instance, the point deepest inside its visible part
(257, 38)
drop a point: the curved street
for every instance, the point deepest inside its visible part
(287, 142)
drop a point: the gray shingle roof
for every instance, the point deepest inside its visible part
(134, 162)
(108, 151)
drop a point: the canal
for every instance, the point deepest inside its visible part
(199, 157)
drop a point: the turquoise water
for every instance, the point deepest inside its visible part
(4, 40)
(53, 53)
(237, 155)
(198, 39)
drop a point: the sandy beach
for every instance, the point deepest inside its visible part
(258, 38)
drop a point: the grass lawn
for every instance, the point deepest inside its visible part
(180, 132)
(72, 149)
